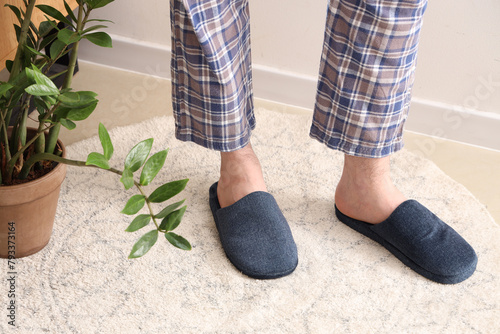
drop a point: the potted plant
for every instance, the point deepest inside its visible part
(33, 161)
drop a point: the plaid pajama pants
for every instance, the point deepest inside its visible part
(365, 80)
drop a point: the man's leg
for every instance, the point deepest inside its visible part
(212, 94)
(213, 107)
(364, 93)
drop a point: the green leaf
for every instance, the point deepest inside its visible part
(98, 26)
(44, 28)
(127, 179)
(36, 52)
(163, 213)
(16, 12)
(69, 11)
(152, 167)
(69, 98)
(106, 143)
(52, 12)
(134, 204)
(100, 38)
(178, 241)
(8, 65)
(56, 49)
(168, 191)
(99, 20)
(80, 99)
(68, 36)
(138, 155)
(61, 112)
(35, 74)
(79, 114)
(41, 90)
(67, 124)
(4, 88)
(170, 222)
(139, 222)
(144, 244)
(97, 159)
(98, 3)
(48, 39)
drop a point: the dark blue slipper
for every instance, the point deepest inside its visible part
(422, 241)
(255, 235)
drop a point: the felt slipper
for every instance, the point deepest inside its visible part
(422, 241)
(255, 235)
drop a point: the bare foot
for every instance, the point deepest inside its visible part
(240, 175)
(365, 191)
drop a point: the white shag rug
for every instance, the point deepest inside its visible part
(82, 282)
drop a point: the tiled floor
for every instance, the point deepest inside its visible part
(126, 98)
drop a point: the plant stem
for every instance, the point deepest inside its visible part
(148, 204)
(25, 27)
(54, 132)
(12, 162)
(74, 53)
(52, 157)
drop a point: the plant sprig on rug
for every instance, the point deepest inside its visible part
(136, 158)
(22, 155)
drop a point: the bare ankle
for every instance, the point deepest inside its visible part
(365, 190)
(240, 174)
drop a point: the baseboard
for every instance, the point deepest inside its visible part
(426, 117)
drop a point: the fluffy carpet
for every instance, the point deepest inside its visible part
(82, 282)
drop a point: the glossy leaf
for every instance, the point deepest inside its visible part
(127, 179)
(67, 124)
(163, 213)
(52, 12)
(138, 155)
(41, 90)
(100, 38)
(139, 222)
(97, 159)
(68, 36)
(134, 204)
(41, 79)
(77, 99)
(170, 222)
(69, 98)
(178, 241)
(144, 244)
(80, 114)
(168, 191)
(106, 143)
(152, 167)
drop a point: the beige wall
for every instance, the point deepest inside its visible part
(459, 57)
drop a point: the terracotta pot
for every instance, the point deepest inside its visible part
(29, 209)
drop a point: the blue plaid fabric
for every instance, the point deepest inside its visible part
(364, 87)
(211, 72)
